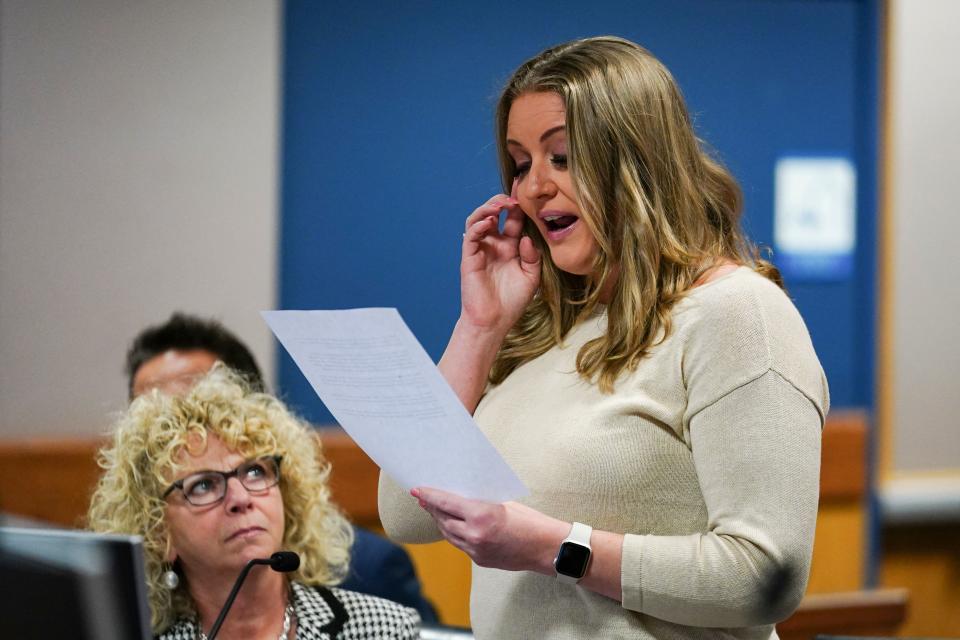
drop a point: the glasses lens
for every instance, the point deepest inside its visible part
(204, 488)
(259, 475)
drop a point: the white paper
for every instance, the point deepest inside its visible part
(386, 392)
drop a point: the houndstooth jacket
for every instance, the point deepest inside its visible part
(328, 614)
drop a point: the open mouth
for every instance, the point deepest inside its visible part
(558, 223)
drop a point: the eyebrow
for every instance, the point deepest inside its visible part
(240, 464)
(201, 471)
(194, 473)
(546, 134)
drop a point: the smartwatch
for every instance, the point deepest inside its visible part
(573, 558)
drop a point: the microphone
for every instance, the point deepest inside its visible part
(284, 561)
(281, 561)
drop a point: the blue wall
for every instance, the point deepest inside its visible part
(387, 142)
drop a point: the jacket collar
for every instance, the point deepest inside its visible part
(312, 612)
(311, 609)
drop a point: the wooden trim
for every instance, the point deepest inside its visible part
(843, 459)
(858, 612)
(886, 291)
(52, 479)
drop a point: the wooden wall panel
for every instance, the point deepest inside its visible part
(52, 480)
(353, 479)
(444, 572)
(839, 554)
(925, 560)
(843, 460)
(48, 480)
(839, 551)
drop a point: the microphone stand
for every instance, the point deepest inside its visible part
(281, 561)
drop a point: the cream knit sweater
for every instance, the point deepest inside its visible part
(706, 456)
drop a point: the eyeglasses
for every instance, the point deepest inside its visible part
(209, 487)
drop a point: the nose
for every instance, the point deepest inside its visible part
(539, 183)
(237, 498)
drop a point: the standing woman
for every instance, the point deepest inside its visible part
(637, 364)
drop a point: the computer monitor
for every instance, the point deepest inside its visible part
(72, 584)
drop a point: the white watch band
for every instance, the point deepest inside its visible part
(580, 534)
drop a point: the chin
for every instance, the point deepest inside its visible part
(255, 551)
(575, 268)
(573, 260)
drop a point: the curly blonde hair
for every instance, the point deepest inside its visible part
(147, 443)
(662, 210)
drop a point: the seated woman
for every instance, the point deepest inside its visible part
(219, 477)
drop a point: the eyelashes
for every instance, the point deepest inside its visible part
(557, 160)
(521, 170)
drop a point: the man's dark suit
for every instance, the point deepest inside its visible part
(381, 568)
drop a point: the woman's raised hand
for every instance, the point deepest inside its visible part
(500, 269)
(499, 273)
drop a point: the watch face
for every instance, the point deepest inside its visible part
(572, 559)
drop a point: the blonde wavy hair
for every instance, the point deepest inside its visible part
(147, 443)
(662, 210)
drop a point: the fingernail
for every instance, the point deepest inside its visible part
(415, 493)
(422, 503)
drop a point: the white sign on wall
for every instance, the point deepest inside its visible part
(815, 217)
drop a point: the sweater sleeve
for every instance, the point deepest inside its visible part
(402, 518)
(757, 456)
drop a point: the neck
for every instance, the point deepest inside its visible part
(257, 611)
(610, 286)
(722, 267)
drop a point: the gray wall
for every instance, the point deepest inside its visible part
(137, 176)
(925, 225)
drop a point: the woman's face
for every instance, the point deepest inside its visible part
(221, 538)
(537, 141)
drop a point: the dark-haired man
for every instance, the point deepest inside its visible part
(172, 356)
